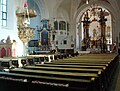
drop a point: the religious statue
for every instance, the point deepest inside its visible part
(94, 34)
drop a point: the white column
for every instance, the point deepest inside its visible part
(77, 37)
(73, 33)
(58, 24)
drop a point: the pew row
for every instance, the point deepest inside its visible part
(70, 75)
(60, 72)
(27, 82)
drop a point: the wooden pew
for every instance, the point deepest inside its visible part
(84, 63)
(72, 66)
(30, 61)
(6, 64)
(24, 82)
(83, 74)
(22, 62)
(79, 70)
(48, 57)
(92, 57)
(74, 70)
(88, 68)
(54, 73)
(111, 64)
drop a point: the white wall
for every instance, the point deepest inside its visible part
(11, 29)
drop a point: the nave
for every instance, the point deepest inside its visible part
(89, 72)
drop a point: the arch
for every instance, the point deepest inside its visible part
(108, 6)
(9, 52)
(84, 7)
(3, 52)
(62, 25)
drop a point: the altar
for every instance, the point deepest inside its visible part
(97, 34)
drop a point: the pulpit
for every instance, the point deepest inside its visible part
(25, 33)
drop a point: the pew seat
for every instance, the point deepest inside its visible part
(55, 73)
(46, 83)
(80, 70)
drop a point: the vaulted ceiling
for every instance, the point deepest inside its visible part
(71, 9)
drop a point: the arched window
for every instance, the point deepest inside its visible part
(8, 52)
(62, 25)
(3, 52)
(4, 12)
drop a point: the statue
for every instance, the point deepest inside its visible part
(94, 34)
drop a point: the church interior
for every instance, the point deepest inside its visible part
(59, 45)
